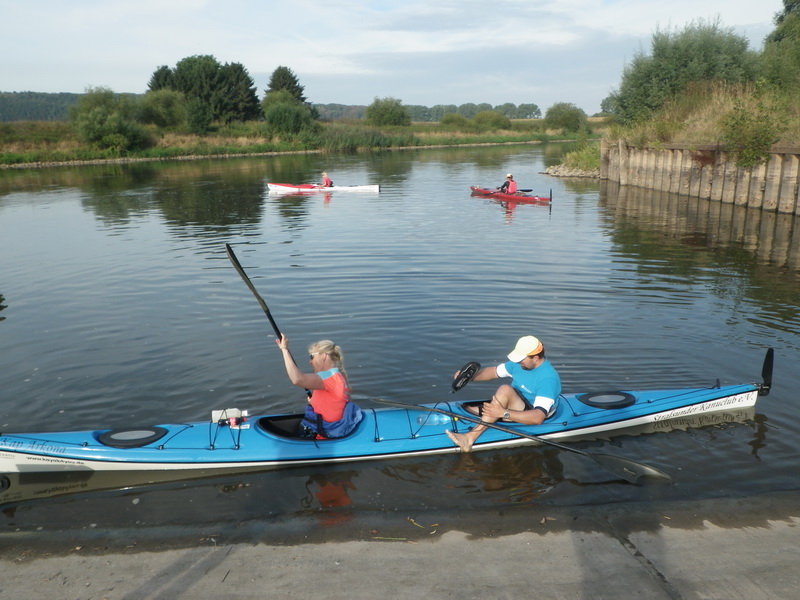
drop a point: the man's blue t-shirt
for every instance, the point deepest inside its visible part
(541, 386)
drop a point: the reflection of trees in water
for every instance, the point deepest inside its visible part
(293, 208)
(485, 157)
(216, 203)
(196, 193)
(690, 238)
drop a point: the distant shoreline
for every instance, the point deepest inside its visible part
(189, 157)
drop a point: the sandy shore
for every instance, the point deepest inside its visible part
(719, 549)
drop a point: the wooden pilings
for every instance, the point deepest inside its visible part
(706, 172)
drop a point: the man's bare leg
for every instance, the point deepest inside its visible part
(506, 398)
(466, 440)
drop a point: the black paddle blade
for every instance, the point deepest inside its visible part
(629, 470)
(466, 373)
(766, 372)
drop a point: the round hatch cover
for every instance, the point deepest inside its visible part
(607, 399)
(132, 438)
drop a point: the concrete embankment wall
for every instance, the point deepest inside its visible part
(706, 172)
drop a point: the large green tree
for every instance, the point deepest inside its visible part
(234, 97)
(283, 78)
(781, 56)
(567, 117)
(469, 109)
(701, 51)
(440, 110)
(528, 111)
(790, 7)
(509, 109)
(285, 107)
(226, 91)
(387, 111)
(161, 79)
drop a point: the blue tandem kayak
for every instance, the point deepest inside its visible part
(232, 441)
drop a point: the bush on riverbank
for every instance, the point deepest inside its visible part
(745, 119)
(585, 158)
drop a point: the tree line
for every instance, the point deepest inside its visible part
(431, 114)
(43, 106)
(199, 93)
(36, 106)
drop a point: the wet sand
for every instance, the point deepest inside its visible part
(726, 549)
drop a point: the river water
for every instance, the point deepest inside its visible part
(119, 307)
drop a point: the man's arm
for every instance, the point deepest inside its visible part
(486, 374)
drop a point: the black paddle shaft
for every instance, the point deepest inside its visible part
(238, 266)
(625, 468)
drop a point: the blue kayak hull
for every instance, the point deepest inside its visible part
(263, 442)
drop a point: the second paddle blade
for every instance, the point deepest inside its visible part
(630, 470)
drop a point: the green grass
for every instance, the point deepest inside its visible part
(585, 158)
(699, 115)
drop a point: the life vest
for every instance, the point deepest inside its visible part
(512, 187)
(350, 418)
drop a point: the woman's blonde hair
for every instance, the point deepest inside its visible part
(332, 350)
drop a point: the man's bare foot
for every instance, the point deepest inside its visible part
(461, 440)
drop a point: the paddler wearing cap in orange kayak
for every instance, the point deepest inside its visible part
(530, 398)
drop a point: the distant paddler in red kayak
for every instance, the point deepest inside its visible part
(518, 196)
(509, 186)
(326, 182)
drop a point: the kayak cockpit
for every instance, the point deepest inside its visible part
(283, 426)
(287, 427)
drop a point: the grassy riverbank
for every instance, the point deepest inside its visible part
(746, 120)
(35, 143)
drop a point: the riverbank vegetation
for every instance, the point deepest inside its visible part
(107, 127)
(703, 86)
(56, 142)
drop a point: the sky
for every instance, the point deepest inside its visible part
(424, 52)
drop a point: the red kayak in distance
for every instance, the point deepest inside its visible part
(518, 197)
